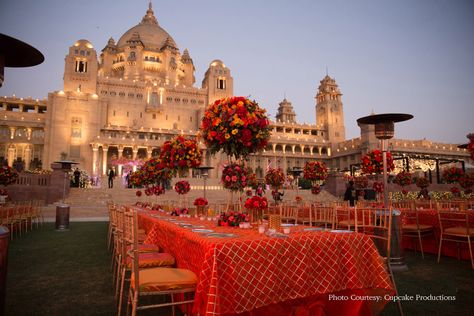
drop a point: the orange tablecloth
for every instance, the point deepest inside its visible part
(254, 273)
(430, 244)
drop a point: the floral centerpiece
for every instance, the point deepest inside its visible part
(298, 199)
(372, 163)
(466, 182)
(275, 178)
(403, 178)
(153, 171)
(252, 180)
(236, 126)
(315, 171)
(378, 187)
(361, 182)
(180, 211)
(316, 189)
(470, 146)
(256, 205)
(182, 187)
(422, 182)
(138, 193)
(180, 154)
(232, 219)
(452, 175)
(200, 204)
(8, 175)
(154, 190)
(234, 177)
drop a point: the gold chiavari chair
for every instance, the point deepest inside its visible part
(147, 258)
(154, 281)
(412, 228)
(322, 215)
(455, 226)
(289, 213)
(377, 223)
(344, 216)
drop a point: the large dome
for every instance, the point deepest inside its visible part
(149, 32)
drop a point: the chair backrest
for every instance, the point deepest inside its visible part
(323, 215)
(377, 223)
(289, 212)
(131, 234)
(448, 218)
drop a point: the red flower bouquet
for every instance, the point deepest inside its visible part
(422, 182)
(466, 181)
(373, 162)
(179, 211)
(232, 219)
(403, 178)
(8, 175)
(256, 203)
(200, 202)
(234, 177)
(315, 171)
(452, 174)
(152, 172)
(252, 180)
(138, 193)
(455, 191)
(235, 125)
(154, 190)
(180, 154)
(275, 178)
(182, 187)
(378, 187)
(470, 146)
(316, 189)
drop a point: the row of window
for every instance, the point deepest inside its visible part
(298, 131)
(82, 52)
(153, 116)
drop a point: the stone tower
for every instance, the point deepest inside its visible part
(329, 110)
(80, 70)
(285, 112)
(218, 81)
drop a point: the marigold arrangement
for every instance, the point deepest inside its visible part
(422, 182)
(452, 175)
(8, 175)
(403, 178)
(232, 219)
(200, 202)
(235, 125)
(234, 177)
(180, 153)
(152, 172)
(315, 171)
(372, 163)
(275, 178)
(182, 187)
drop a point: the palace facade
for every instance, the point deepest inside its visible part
(139, 91)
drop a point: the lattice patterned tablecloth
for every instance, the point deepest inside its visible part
(250, 271)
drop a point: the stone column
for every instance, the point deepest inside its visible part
(105, 150)
(120, 155)
(28, 133)
(95, 159)
(149, 150)
(12, 132)
(27, 157)
(11, 155)
(329, 151)
(320, 150)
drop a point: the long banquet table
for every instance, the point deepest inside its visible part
(309, 272)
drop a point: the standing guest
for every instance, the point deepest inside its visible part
(350, 194)
(77, 177)
(111, 175)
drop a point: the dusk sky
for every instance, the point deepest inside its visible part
(405, 56)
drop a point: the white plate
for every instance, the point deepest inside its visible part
(202, 230)
(287, 225)
(221, 235)
(313, 229)
(341, 231)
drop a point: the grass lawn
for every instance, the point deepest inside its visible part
(68, 273)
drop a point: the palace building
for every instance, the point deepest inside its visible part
(128, 98)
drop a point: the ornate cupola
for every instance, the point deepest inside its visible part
(285, 112)
(329, 110)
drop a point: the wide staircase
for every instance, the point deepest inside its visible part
(90, 204)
